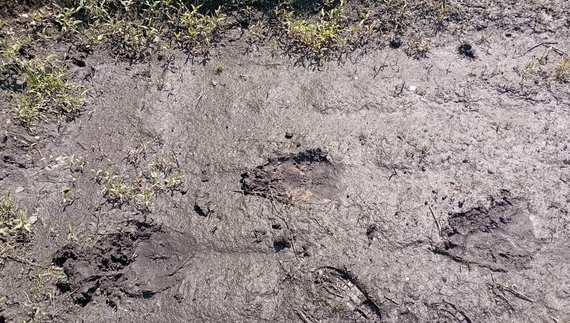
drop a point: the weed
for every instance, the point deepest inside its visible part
(144, 199)
(47, 93)
(142, 186)
(113, 187)
(43, 90)
(134, 155)
(331, 33)
(533, 67)
(174, 180)
(219, 69)
(199, 27)
(66, 19)
(13, 222)
(418, 47)
(562, 71)
(133, 29)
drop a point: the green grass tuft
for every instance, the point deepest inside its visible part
(331, 33)
(13, 222)
(562, 71)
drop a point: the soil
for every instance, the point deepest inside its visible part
(307, 176)
(381, 188)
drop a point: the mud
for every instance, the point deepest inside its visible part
(500, 237)
(139, 264)
(381, 188)
(305, 177)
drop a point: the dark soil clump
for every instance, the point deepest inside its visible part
(467, 50)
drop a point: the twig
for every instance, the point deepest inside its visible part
(400, 90)
(18, 259)
(515, 293)
(536, 46)
(558, 51)
(391, 300)
(436, 221)
(303, 317)
(181, 266)
(371, 300)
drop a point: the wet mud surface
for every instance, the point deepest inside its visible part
(305, 177)
(381, 189)
(500, 237)
(136, 264)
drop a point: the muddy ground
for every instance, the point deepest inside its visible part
(383, 188)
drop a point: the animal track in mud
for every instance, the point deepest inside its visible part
(139, 264)
(500, 237)
(305, 177)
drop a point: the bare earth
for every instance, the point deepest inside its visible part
(380, 189)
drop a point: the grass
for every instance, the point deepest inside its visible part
(219, 69)
(14, 223)
(141, 187)
(47, 93)
(134, 29)
(541, 67)
(562, 71)
(330, 33)
(418, 47)
(40, 87)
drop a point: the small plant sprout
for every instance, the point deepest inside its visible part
(174, 180)
(23, 224)
(145, 198)
(65, 191)
(13, 221)
(562, 71)
(138, 186)
(418, 47)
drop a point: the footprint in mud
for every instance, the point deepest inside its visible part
(343, 290)
(140, 263)
(500, 237)
(305, 177)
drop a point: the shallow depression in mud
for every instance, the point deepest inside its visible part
(309, 176)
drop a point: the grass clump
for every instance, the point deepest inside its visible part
(39, 87)
(331, 33)
(418, 47)
(139, 188)
(13, 222)
(46, 93)
(562, 71)
(132, 29)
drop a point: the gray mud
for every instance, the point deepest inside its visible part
(382, 189)
(305, 177)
